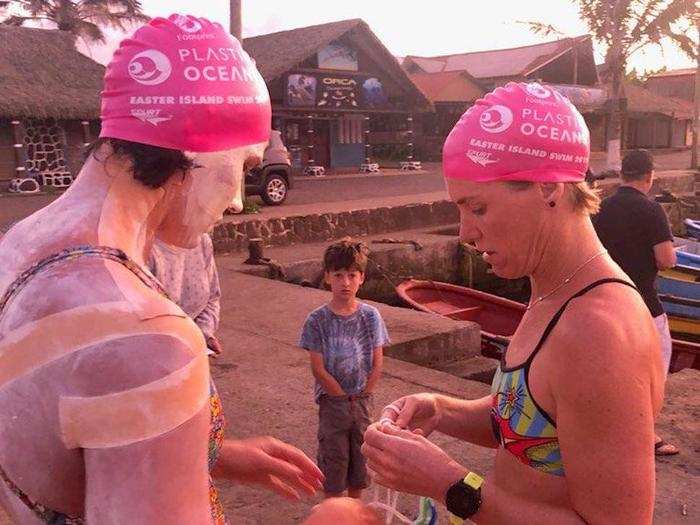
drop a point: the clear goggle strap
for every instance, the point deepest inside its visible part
(426, 516)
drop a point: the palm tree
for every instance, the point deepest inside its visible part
(624, 27)
(235, 18)
(81, 18)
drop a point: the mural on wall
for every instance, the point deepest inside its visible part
(337, 56)
(301, 90)
(373, 94)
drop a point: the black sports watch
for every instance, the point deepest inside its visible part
(463, 498)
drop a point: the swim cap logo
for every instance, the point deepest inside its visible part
(188, 24)
(537, 90)
(150, 68)
(496, 119)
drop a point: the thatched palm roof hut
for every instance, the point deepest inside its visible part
(42, 75)
(49, 104)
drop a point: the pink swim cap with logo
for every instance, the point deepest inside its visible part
(520, 132)
(185, 83)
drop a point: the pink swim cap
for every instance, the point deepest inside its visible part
(185, 83)
(520, 132)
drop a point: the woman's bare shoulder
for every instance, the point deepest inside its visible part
(607, 328)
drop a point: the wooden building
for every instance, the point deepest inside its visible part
(332, 83)
(564, 61)
(453, 82)
(451, 93)
(49, 104)
(677, 83)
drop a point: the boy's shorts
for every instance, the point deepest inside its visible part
(342, 421)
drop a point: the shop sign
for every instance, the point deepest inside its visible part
(335, 91)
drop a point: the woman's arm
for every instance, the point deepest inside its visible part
(208, 318)
(270, 463)
(468, 420)
(605, 413)
(408, 462)
(142, 483)
(142, 423)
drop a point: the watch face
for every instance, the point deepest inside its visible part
(462, 500)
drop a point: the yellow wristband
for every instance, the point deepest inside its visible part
(473, 480)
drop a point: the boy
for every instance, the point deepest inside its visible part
(345, 339)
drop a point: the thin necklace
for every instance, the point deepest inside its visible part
(565, 281)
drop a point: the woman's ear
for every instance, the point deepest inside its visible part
(551, 192)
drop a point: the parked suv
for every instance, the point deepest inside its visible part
(272, 180)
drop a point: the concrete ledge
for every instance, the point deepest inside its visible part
(416, 337)
(282, 231)
(477, 368)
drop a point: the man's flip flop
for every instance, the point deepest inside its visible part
(661, 448)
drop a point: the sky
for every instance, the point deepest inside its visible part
(442, 27)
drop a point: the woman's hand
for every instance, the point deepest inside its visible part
(406, 461)
(347, 511)
(270, 463)
(419, 412)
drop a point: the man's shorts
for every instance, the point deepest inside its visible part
(342, 421)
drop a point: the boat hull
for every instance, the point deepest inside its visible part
(693, 228)
(687, 252)
(497, 317)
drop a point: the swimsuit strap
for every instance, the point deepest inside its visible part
(553, 322)
(103, 252)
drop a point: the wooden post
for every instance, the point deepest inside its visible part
(409, 120)
(235, 18)
(86, 133)
(255, 250)
(574, 48)
(696, 112)
(310, 138)
(368, 147)
(18, 149)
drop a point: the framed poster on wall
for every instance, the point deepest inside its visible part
(301, 90)
(337, 56)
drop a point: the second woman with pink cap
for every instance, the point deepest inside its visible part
(573, 401)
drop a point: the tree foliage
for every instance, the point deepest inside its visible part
(624, 27)
(82, 18)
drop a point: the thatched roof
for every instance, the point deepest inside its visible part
(43, 75)
(640, 101)
(499, 63)
(448, 86)
(277, 53)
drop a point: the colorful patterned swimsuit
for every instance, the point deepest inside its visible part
(216, 432)
(520, 425)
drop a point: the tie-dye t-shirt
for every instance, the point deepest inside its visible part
(346, 343)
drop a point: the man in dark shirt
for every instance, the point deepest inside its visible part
(636, 233)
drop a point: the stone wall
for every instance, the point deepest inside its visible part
(231, 237)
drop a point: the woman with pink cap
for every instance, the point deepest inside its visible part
(573, 402)
(108, 411)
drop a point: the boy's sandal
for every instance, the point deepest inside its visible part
(661, 448)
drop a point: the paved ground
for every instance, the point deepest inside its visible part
(267, 386)
(314, 191)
